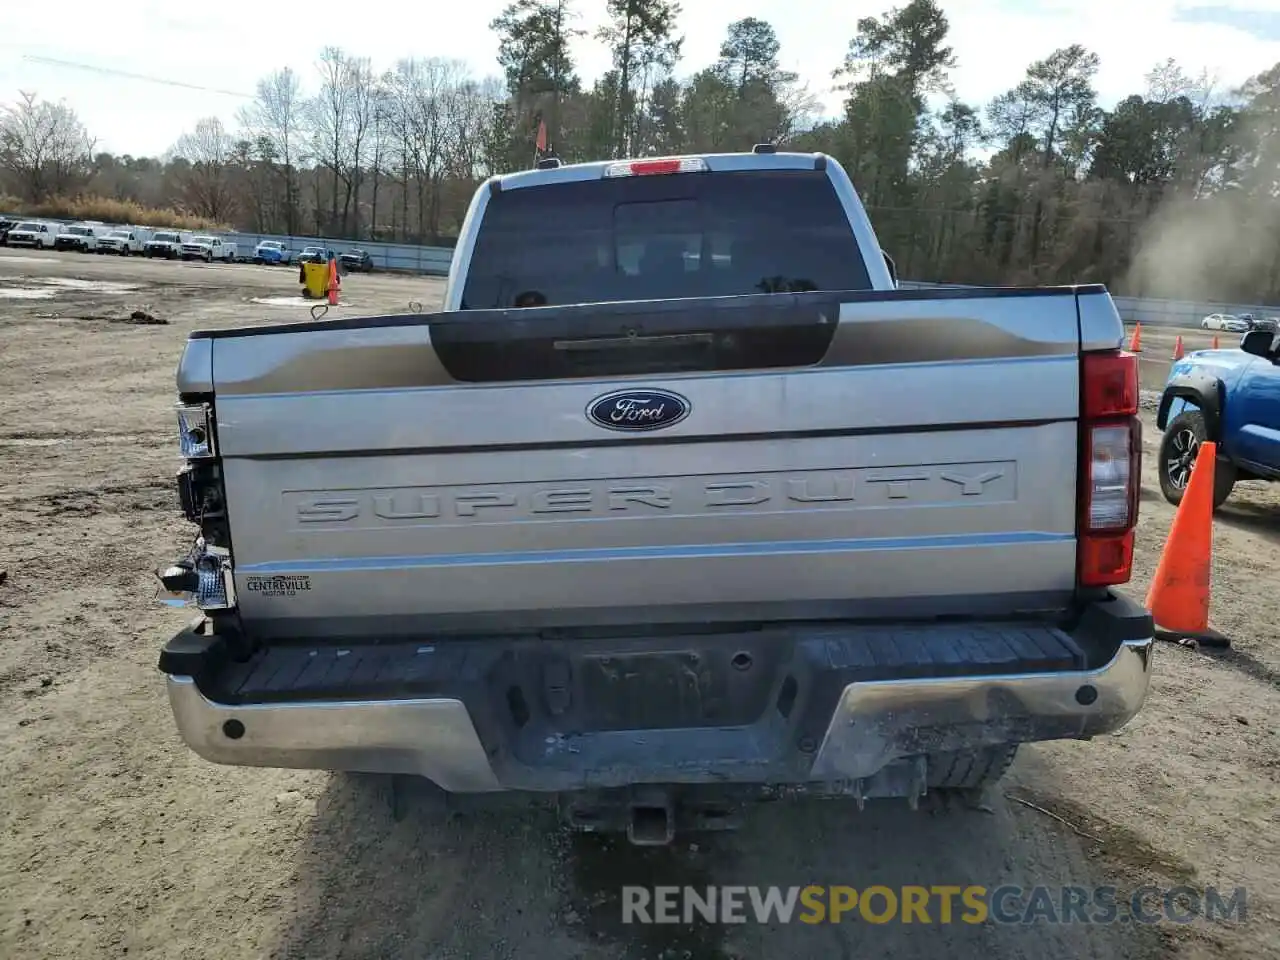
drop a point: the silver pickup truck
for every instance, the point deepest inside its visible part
(678, 497)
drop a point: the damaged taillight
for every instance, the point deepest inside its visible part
(1110, 468)
(202, 578)
(195, 431)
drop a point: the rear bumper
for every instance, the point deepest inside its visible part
(851, 709)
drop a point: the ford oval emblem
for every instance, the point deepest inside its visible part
(637, 410)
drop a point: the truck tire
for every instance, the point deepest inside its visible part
(1178, 448)
(970, 770)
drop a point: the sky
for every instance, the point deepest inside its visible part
(994, 41)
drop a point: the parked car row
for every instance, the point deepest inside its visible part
(125, 241)
(272, 252)
(1242, 323)
(102, 238)
(177, 245)
(85, 237)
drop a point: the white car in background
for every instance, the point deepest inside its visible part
(124, 241)
(79, 236)
(1225, 322)
(33, 233)
(208, 248)
(165, 243)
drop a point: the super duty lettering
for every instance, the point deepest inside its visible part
(687, 493)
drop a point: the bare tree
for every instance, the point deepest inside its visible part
(472, 158)
(330, 115)
(428, 112)
(383, 148)
(277, 117)
(208, 151)
(398, 87)
(364, 100)
(801, 109)
(45, 147)
(343, 117)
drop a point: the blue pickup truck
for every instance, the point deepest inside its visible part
(1231, 397)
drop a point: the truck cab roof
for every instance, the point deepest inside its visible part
(692, 163)
(624, 216)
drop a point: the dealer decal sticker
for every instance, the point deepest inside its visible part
(281, 585)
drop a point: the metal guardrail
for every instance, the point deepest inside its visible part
(409, 258)
(1178, 313)
(433, 261)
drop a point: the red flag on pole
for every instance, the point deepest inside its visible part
(541, 142)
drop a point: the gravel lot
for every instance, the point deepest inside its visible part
(118, 841)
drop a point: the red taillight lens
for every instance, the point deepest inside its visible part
(1106, 561)
(1110, 468)
(1110, 385)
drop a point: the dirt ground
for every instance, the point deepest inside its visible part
(116, 840)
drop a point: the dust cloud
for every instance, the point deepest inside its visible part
(1210, 249)
(1224, 245)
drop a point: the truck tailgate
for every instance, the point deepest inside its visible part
(407, 473)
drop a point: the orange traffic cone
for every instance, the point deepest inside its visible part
(1215, 341)
(333, 283)
(1135, 345)
(1177, 348)
(1179, 594)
